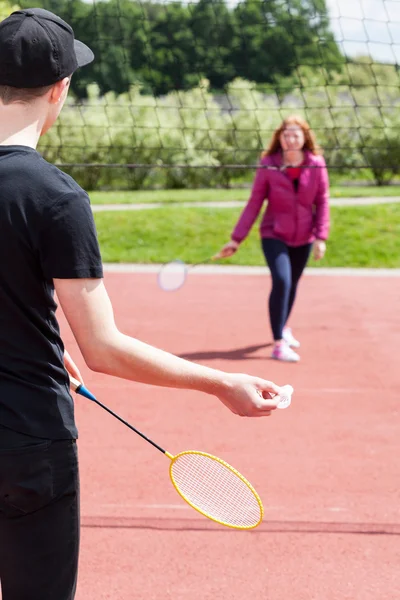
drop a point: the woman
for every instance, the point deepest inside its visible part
(296, 218)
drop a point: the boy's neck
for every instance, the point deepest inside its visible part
(19, 126)
(18, 139)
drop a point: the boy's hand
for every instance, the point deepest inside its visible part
(249, 396)
(71, 367)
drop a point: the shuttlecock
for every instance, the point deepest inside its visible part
(285, 396)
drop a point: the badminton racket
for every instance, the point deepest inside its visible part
(207, 483)
(173, 274)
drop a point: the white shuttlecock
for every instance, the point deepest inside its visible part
(285, 396)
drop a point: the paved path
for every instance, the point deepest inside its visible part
(234, 204)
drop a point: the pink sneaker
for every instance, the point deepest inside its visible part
(291, 341)
(285, 353)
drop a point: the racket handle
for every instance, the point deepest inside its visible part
(79, 388)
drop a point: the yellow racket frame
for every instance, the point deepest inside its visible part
(233, 470)
(83, 391)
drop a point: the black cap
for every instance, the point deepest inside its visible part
(37, 49)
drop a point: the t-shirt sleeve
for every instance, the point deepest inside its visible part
(68, 244)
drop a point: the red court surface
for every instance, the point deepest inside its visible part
(327, 469)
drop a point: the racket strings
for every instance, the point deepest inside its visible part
(172, 275)
(216, 490)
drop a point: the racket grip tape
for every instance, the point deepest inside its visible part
(79, 388)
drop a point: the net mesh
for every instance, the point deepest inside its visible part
(188, 94)
(216, 490)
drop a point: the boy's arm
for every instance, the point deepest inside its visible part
(88, 310)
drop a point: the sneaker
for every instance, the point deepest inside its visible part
(285, 353)
(289, 339)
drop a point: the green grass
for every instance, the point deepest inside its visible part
(364, 236)
(168, 196)
(365, 191)
(241, 194)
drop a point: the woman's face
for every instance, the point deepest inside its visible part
(292, 138)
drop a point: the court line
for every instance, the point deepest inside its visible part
(184, 507)
(238, 270)
(337, 390)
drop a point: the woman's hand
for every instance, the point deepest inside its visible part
(71, 367)
(319, 249)
(227, 250)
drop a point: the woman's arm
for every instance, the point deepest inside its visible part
(322, 217)
(249, 214)
(252, 209)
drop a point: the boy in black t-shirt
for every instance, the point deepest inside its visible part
(48, 243)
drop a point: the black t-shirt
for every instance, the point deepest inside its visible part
(46, 231)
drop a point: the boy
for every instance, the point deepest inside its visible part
(48, 242)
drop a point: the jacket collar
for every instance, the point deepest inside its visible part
(276, 159)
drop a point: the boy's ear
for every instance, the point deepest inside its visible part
(58, 90)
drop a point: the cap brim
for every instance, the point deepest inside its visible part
(83, 53)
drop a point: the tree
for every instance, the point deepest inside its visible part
(275, 38)
(167, 46)
(213, 28)
(6, 8)
(172, 51)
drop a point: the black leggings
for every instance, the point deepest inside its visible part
(286, 264)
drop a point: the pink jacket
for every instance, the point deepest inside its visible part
(296, 218)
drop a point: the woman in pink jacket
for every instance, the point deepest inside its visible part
(296, 188)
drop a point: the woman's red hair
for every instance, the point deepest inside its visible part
(310, 142)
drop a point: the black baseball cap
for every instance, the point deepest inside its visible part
(37, 49)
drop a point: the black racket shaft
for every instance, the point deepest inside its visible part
(83, 391)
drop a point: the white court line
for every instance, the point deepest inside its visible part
(152, 506)
(163, 506)
(185, 507)
(318, 390)
(130, 506)
(236, 270)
